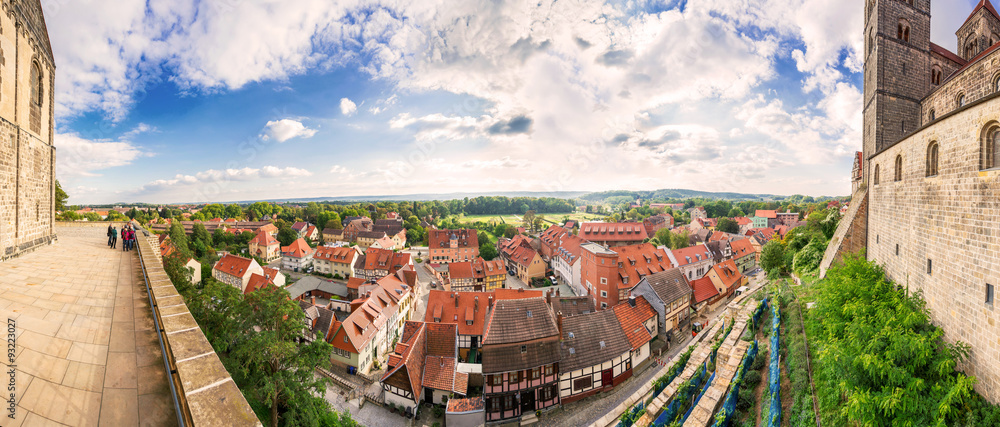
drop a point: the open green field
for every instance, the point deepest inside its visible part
(516, 219)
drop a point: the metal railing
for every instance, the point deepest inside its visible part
(173, 380)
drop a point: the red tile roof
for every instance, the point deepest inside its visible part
(636, 261)
(472, 404)
(523, 256)
(742, 220)
(460, 270)
(691, 254)
(508, 246)
(728, 274)
(298, 249)
(511, 294)
(482, 268)
(264, 239)
(742, 248)
(703, 289)
(233, 265)
(385, 259)
(632, 319)
(442, 305)
(441, 239)
(569, 248)
(355, 282)
(257, 282)
(766, 214)
(341, 255)
(612, 232)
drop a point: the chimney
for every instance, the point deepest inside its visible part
(475, 308)
(559, 318)
(631, 300)
(312, 300)
(520, 290)
(557, 292)
(490, 302)
(548, 297)
(456, 299)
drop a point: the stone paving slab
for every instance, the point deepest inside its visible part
(84, 333)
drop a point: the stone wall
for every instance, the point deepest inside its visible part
(951, 220)
(27, 168)
(976, 81)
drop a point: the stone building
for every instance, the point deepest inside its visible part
(27, 153)
(927, 206)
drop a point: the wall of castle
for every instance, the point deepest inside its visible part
(952, 220)
(975, 82)
(27, 156)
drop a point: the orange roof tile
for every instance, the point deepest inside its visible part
(632, 320)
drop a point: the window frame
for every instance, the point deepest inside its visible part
(989, 145)
(898, 170)
(933, 159)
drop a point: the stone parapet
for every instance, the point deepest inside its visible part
(205, 392)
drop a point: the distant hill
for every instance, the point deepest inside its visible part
(427, 196)
(676, 193)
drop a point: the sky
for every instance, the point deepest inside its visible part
(223, 100)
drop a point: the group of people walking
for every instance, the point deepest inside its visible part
(127, 233)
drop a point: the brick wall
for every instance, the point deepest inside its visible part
(26, 191)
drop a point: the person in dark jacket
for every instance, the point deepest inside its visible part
(114, 237)
(109, 234)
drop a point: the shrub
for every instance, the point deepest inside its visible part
(438, 412)
(745, 399)
(758, 363)
(751, 378)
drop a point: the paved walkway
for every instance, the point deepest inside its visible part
(86, 351)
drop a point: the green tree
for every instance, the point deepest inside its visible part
(258, 210)
(528, 220)
(680, 240)
(663, 237)
(487, 251)
(880, 359)
(61, 197)
(772, 256)
(276, 366)
(727, 225)
(199, 233)
(92, 216)
(180, 239)
(736, 212)
(286, 235)
(807, 260)
(234, 211)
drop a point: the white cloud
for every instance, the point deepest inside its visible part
(223, 177)
(78, 156)
(347, 107)
(285, 129)
(339, 169)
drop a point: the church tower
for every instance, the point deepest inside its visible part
(897, 71)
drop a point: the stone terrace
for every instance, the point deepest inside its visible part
(87, 352)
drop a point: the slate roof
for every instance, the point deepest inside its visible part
(591, 339)
(669, 285)
(573, 306)
(509, 328)
(520, 320)
(312, 283)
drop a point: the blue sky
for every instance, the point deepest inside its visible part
(196, 101)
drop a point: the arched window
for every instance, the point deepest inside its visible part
(37, 86)
(961, 100)
(971, 47)
(903, 30)
(989, 151)
(996, 83)
(932, 159)
(936, 74)
(899, 169)
(932, 115)
(875, 179)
